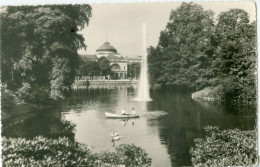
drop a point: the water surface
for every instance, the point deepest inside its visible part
(167, 138)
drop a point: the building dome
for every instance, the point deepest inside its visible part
(106, 47)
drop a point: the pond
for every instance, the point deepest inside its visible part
(165, 130)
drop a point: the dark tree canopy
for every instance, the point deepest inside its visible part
(104, 66)
(195, 52)
(40, 44)
(236, 53)
(155, 65)
(89, 68)
(184, 48)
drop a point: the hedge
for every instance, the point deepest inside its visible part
(231, 147)
(41, 151)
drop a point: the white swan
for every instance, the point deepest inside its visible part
(114, 134)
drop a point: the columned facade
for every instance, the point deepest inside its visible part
(118, 62)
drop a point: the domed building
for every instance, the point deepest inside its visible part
(118, 62)
(105, 50)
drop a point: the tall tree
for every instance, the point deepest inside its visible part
(236, 51)
(185, 47)
(40, 44)
(155, 65)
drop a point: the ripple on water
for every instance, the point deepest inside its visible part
(155, 113)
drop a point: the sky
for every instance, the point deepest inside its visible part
(121, 24)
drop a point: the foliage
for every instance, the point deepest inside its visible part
(207, 94)
(92, 68)
(61, 77)
(25, 92)
(42, 151)
(132, 155)
(236, 52)
(104, 66)
(194, 52)
(39, 42)
(108, 159)
(225, 148)
(133, 70)
(45, 152)
(8, 99)
(185, 49)
(155, 65)
(88, 68)
(127, 155)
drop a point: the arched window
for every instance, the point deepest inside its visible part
(115, 67)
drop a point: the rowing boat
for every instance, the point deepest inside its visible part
(111, 115)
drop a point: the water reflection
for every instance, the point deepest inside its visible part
(165, 130)
(94, 129)
(47, 123)
(186, 119)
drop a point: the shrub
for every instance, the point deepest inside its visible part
(225, 148)
(35, 95)
(42, 151)
(131, 155)
(127, 155)
(25, 92)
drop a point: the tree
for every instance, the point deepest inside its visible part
(104, 66)
(185, 49)
(40, 46)
(155, 65)
(236, 52)
(133, 70)
(89, 68)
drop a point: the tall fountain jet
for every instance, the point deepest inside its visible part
(144, 87)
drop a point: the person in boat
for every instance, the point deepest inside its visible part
(133, 111)
(123, 112)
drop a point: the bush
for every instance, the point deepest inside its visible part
(25, 92)
(127, 155)
(225, 148)
(45, 152)
(34, 95)
(131, 155)
(42, 151)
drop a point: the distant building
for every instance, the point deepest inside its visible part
(134, 59)
(118, 62)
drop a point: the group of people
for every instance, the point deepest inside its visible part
(123, 112)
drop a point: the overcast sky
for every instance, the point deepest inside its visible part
(123, 23)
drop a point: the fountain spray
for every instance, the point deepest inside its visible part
(144, 87)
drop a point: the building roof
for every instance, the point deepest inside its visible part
(107, 48)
